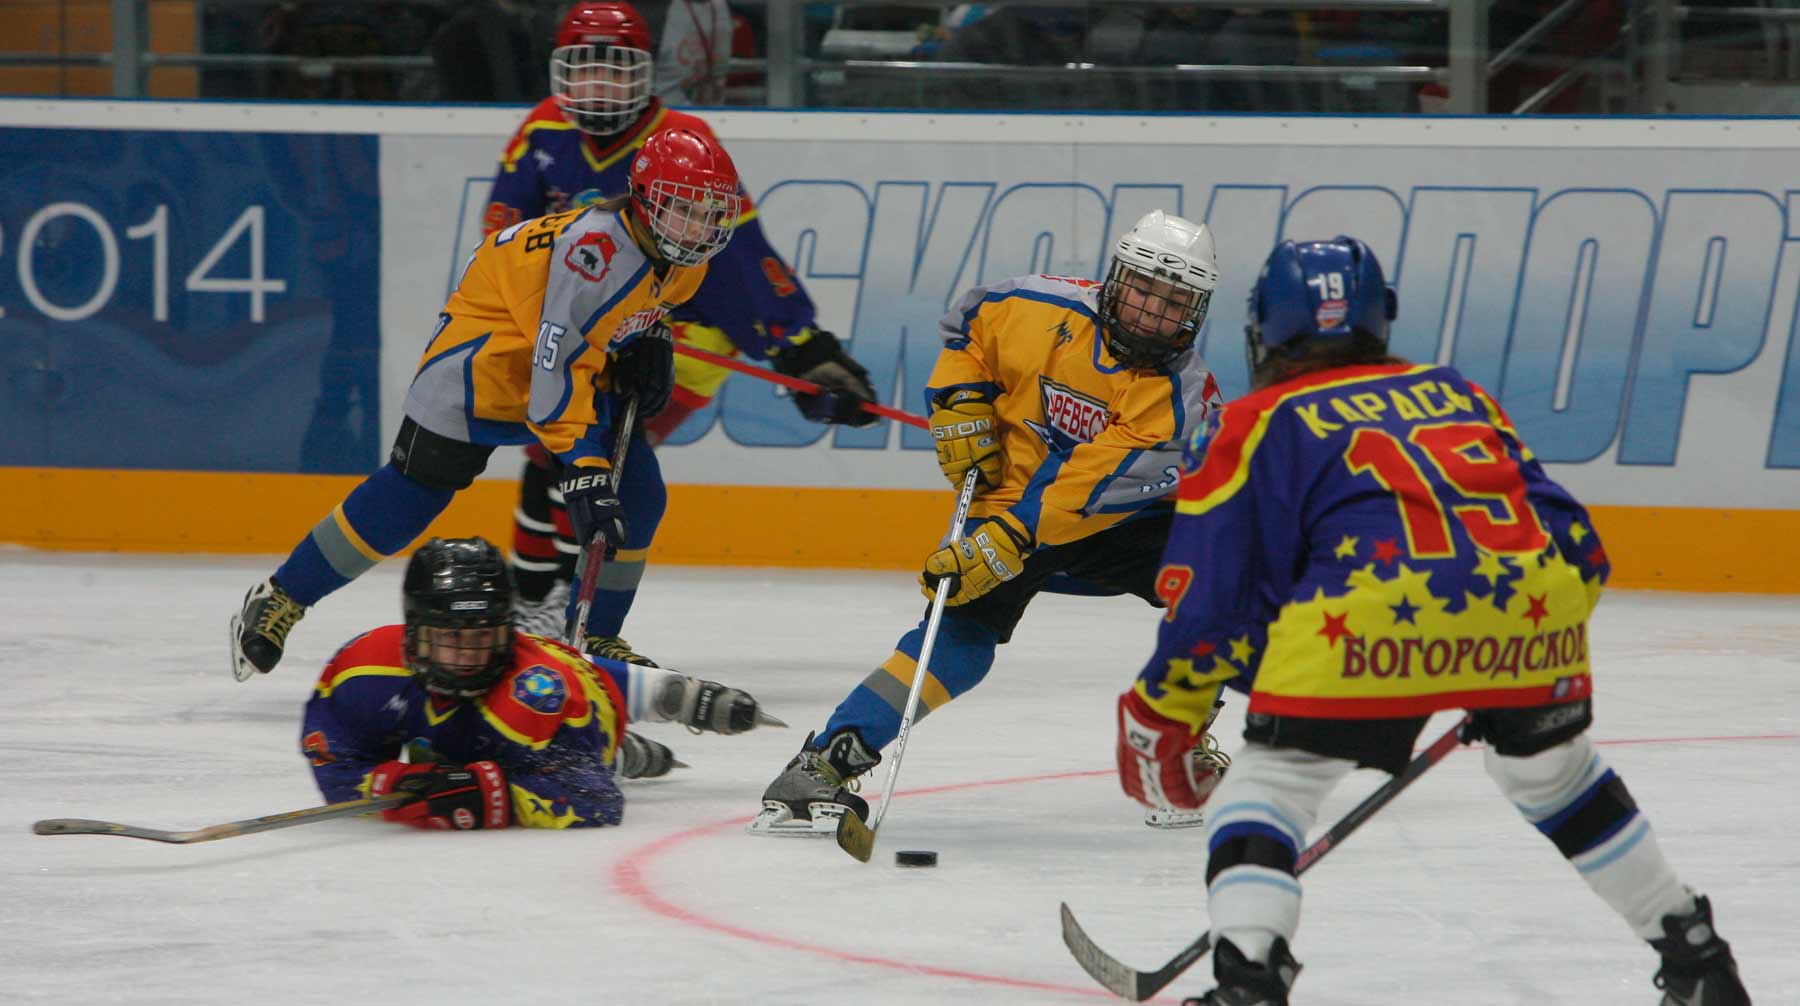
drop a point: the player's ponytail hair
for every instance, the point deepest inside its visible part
(1306, 356)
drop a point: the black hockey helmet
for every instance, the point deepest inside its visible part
(452, 585)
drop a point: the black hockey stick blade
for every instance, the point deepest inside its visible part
(1125, 982)
(1137, 986)
(854, 836)
(232, 829)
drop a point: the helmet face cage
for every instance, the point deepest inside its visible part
(462, 661)
(458, 606)
(601, 89)
(691, 223)
(1149, 316)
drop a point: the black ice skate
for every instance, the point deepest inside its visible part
(546, 617)
(706, 706)
(643, 758)
(614, 648)
(815, 789)
(1697, 968)
(1244, 983)
(259, 632)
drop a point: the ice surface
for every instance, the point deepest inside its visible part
(121, 707)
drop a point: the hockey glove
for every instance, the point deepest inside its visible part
(1162, 764)
(646, 369)
(993, 553)
(816, 355)
(452, 797)
(964, 429)
(593, 505)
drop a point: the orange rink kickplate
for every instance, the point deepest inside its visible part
(1665, 548)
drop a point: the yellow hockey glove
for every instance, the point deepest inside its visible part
(967, 437)
(991, 554)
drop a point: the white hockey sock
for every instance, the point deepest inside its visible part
(1270, 797)
(1580, 804)
(646, 697)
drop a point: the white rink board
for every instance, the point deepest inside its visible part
(1625, 286)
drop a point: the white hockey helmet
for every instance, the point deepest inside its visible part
(1157, 289)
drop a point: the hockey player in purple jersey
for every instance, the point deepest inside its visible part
(499, 727)
(573, 149)
(1360, 542)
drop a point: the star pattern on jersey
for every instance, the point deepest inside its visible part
(1536, 611)
(1577, 532)
(1404, 611)
(1387, 550)
(1242, 650)
(1493, 567)
(1346, 548)
(1334, 628)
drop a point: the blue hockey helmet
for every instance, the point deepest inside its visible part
(1313, 291)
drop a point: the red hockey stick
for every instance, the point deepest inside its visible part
(795, 383)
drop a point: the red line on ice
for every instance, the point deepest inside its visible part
(629, 878)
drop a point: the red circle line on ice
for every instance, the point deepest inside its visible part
(629, 877)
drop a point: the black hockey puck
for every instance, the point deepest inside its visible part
(915, 857)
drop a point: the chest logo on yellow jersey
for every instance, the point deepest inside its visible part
(636, 323)
(1070, 417)
(591, 255)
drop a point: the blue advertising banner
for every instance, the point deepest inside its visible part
(189, 300)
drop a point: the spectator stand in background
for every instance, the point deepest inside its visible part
(492, 50)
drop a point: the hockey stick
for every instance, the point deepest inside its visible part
(795, 384)
(853, 836)
(348, 808)
(594, 555)
(1137, 986)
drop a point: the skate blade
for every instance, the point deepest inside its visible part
(1171, 820)
(765, 719)
(241, 667)
(777, 821)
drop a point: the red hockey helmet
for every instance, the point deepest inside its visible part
(600, 69)
(685, 185)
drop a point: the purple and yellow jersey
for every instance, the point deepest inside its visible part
(552, 723)
(751, 301)
(1084, 442)
(520, 349)
(1372, 542)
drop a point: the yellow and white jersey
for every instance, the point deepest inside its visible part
(1084, 442)
(520, 349)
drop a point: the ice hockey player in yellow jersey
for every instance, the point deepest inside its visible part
(1073, 399)
(552, 324)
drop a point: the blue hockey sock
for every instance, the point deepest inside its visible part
(380, 517)
(961, 658)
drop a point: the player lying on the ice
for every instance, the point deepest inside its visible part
(499, 727)
(1362, 542)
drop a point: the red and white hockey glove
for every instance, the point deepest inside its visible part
(1158, 766)
(452, 797)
